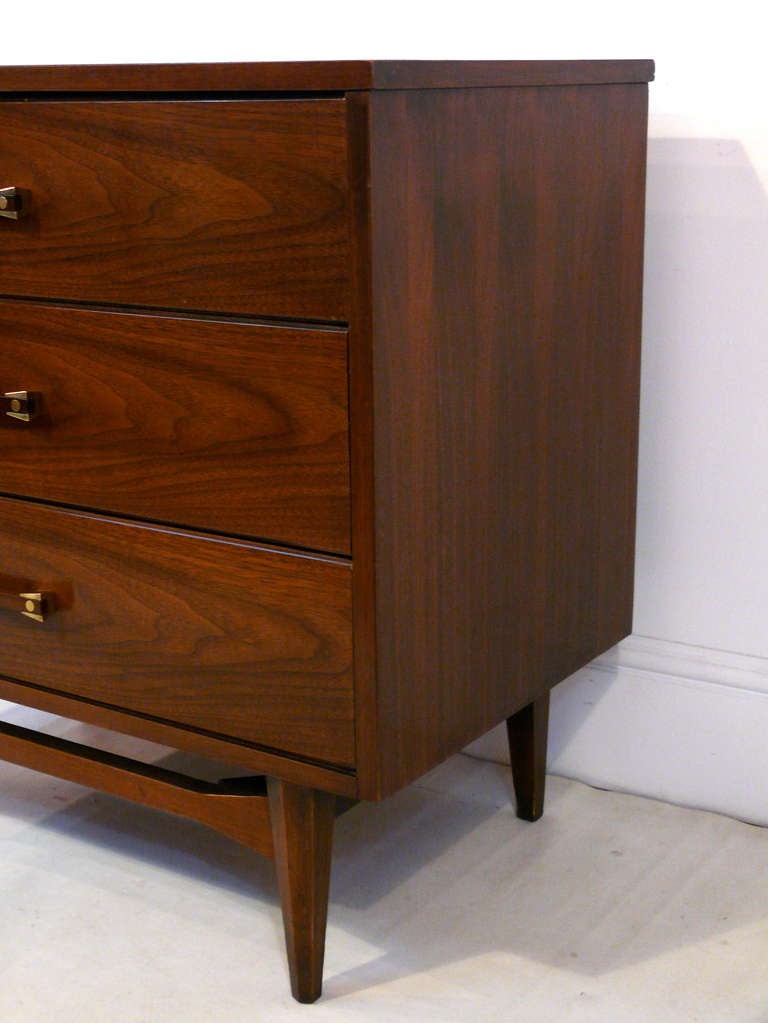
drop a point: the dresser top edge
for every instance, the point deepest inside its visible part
(316, 76)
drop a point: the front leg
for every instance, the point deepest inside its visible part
(302, 832)
(527, 731)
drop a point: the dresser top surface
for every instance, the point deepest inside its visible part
(320, 76)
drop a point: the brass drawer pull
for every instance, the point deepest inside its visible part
(14, 202)
(23, 405)
(38, 606)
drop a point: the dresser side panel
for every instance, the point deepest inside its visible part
(507, 256)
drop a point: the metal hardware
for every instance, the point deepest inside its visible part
(14, 202)
(23, 405)
(38, 606)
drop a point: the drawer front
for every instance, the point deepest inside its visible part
(232, 639)
(229, 206)
(228, 427)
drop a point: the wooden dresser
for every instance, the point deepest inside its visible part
(318, 424)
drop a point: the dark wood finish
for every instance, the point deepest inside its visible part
(234, 639)
(302, 834)
(237, 428)
(506, 272)
(478, 228)
(242, 815)
(361, 447)
(344, 783)
(527, 732)
(451, 74)
(314, 76)
(229, 206)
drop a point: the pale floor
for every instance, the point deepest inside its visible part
(444, 907)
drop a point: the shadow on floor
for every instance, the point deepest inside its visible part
(444, 872)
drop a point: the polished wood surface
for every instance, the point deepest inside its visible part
(314, 75)
(227, 206)
(383, 313)
(527, 733)
(361, 448)
(302, 832)
(506, 280)
(243, 755)
(237, 811)
(236, 640)
(231, 427)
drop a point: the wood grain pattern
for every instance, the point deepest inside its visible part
(506, 266)
(302, 833)
(479, 227)
(292, 769)
(243, 817)
(362, 494)
(242, 641)
(230, 427)
(228, 206)
(335, 76)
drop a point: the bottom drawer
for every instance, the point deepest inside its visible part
(216, 635)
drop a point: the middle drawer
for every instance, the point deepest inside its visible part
(231, 427)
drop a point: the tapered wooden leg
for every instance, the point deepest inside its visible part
(527, 731)
(302, 833)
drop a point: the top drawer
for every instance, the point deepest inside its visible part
(228, 205)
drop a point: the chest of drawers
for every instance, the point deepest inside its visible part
(318, 427)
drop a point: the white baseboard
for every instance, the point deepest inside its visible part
(675, 722)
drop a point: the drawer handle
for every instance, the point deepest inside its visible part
(14, 202)
(23, 405)
(38, 606)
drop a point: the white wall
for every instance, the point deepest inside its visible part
(671, 713)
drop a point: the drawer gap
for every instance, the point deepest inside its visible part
(92, 96)
(254, 320)
(209, 746)
(257, 541)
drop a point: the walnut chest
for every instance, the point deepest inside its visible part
(318, 424)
